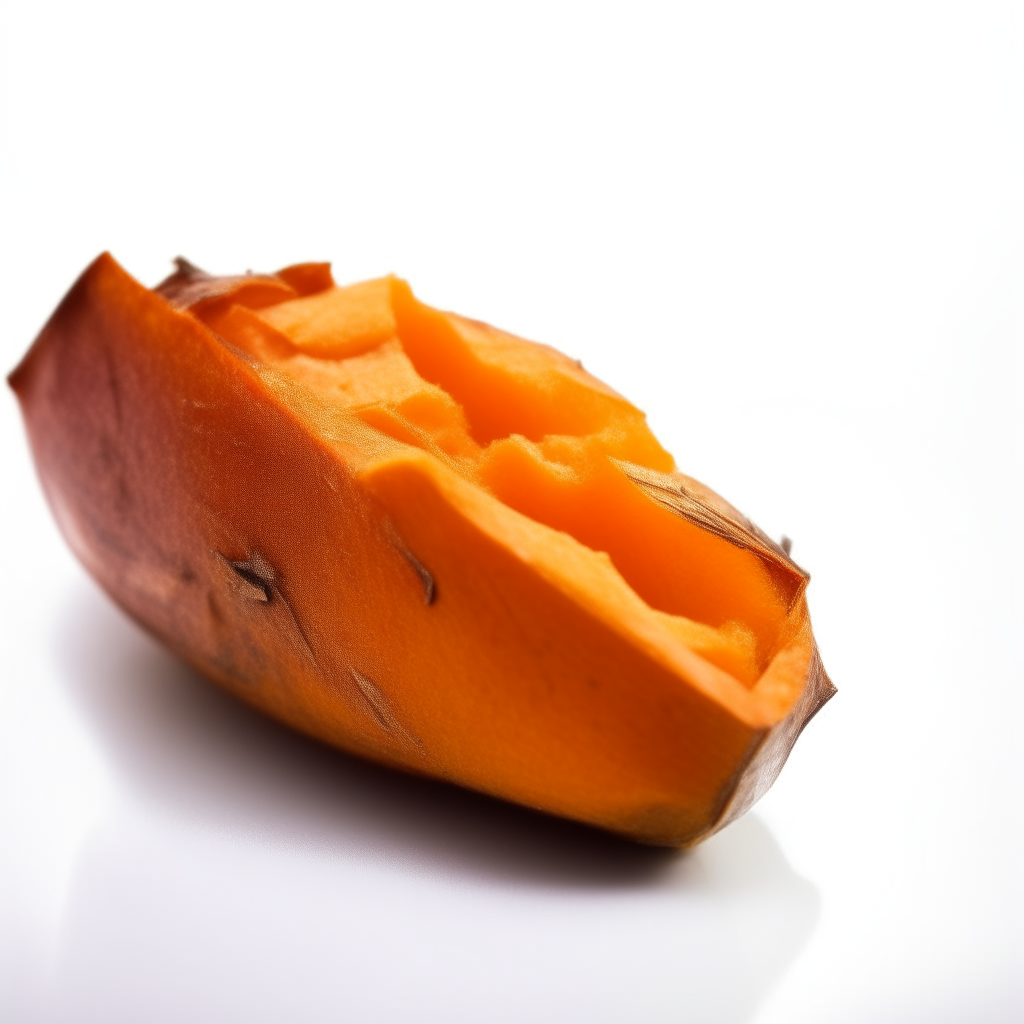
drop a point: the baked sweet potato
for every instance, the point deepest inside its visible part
(422, 540)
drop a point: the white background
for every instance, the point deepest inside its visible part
(794, 235)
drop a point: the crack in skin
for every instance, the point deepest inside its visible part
(257, 579)
(253, 578)
(258, 588)
(426, 577)
(380, 707)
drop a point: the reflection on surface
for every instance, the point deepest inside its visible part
(250, 874)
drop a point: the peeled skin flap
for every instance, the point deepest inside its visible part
(374, 589)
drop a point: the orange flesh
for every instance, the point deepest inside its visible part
(421, 540)
(532, 428)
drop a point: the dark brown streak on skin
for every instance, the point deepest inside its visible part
(426, 577)
(690, 500)
(115, 387)
(429, 586)
(380, 707)
(258, 581)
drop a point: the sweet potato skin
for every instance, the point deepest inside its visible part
(352, 590)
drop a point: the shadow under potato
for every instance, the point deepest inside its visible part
(528, 904)
(184, 744)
